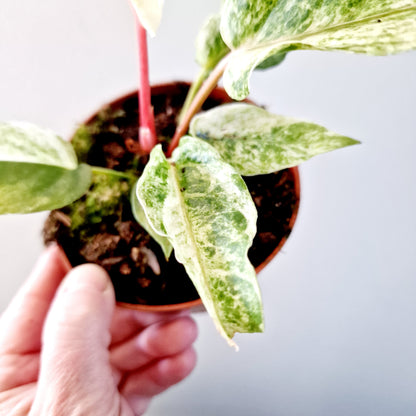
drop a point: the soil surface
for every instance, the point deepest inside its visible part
(100, 227)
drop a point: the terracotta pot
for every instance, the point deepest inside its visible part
(220, 95)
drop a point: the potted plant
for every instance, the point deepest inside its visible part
(190, 196)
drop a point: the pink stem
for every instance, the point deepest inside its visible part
(147, 132)
(207, 87)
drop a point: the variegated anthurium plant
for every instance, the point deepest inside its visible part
(192, 200)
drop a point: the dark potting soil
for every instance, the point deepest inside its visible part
(100, 227)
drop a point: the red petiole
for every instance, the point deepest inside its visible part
(147, 132)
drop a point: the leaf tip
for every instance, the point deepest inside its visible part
(231, 343)
(348, 141)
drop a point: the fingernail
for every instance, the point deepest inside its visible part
(43, 260)
(54, 247)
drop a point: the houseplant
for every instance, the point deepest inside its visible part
(142, 276)
(377, 29)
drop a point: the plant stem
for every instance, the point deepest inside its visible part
(196, 85)
(98, 170)
(147, 132)
(203, 93)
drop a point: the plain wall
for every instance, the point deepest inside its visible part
(340, 298)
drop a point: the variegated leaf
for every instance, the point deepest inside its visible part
(271, 61)
(210, 48)
(257, 29)
(256, 142)
(208, 215)
(25, 142)
(152, 189)
(141, 218)
(149, 13)
(38, 170)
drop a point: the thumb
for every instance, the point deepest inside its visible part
(75, 372)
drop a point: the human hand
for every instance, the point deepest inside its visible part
(66, 349)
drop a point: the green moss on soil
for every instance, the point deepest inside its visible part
(106, 196)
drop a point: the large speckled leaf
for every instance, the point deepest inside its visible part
(205, 209)
(149, 13)
(255, 30)
(141, 218)
(256, 142)
(38, 170)
(25, 142)
(210, 48)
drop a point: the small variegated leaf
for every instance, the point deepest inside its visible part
(273, 60)
(210, 48)
(149, 13)
(141, 218)
(256, 142)
(152, 189)
(38, 170)
(205, 209)
(256, 30)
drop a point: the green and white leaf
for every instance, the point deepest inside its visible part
(256, 142)
(255, 30)
(149, 13)
(210, 48)
(141, 218)
(25, 142)
(272, 61)
(38, 170)
(206, 211)
(152, 189)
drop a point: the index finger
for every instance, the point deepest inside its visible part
(22, 322)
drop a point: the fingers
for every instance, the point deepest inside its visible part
(17, 401)
(74, 361)
(159, 340)
(22, 322)
(158, 377)
(141, 386)
(18, 370)
(128, 322)
(142, 358)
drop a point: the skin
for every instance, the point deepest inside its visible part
(66, 349)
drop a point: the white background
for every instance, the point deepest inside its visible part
(340, 299)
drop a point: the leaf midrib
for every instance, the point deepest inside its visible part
(40, 164)
(192, 234)
(293, 39)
